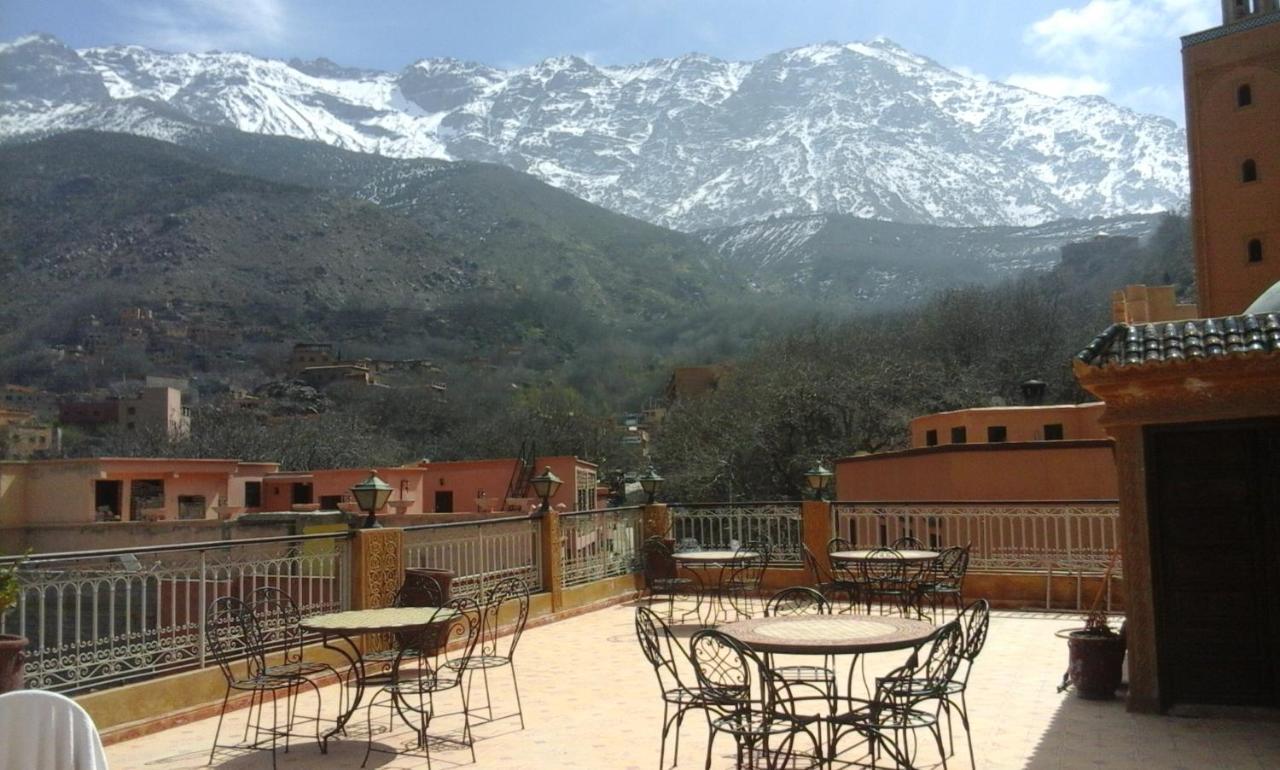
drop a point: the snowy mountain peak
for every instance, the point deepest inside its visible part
(868, 129)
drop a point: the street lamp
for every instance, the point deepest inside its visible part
(371, 494)
(650, 482)
(819, 479)
(545, 485)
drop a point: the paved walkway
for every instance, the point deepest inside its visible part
(591, 703)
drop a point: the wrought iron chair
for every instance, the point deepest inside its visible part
(449, 642)
(825, 582)
(884, 578)
(742, 578)
(944, 579)
(797, 601)
(660, 576)
(232, 635)
(747, 700)
(661, 648)
(908, 543)
(424, 591)
(491, 653)
(279, 621)
(892, 713)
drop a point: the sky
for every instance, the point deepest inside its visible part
(1124, 50)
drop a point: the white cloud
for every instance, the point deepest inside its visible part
(1060, 85)
(1096, 34)
(200, 25)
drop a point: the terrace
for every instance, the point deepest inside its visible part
(121, 633)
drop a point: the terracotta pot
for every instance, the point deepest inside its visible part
(1095, 663)
(12, 662)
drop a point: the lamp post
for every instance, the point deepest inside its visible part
(371, 494)
(818, 479)
(545, 485)
(651, 482)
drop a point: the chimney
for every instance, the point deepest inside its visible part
(1033, 392)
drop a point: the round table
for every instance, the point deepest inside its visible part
(829, 634)
(345, 625)
(711, 558)
(911, 557)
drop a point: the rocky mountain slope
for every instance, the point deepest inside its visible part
(865, 129)
(861, 263)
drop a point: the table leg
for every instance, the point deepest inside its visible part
(356, 662)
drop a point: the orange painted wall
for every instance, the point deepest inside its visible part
(1022, 423)
(1053, 470)
(1227, 212)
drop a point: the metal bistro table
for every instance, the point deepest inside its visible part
(854, 635)
(717, 559)
(348, 625)
(910, 557)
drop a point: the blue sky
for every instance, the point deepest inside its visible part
(1125, 50)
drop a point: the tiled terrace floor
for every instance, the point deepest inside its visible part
(591, 703)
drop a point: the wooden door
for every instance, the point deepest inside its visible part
(1214, 508)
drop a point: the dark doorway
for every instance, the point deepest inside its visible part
(444, 502)
(1214, 511)
(106, 500)
(301, 493)
(330, 502)
(253, 494)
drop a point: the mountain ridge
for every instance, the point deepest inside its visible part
(866, 129)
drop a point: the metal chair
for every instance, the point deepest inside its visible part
(660, 577)
(231, 636)
(747, 700)
(825, 582)
(742, 578)
(491, 653)
(974, 621)
(415, 679)
(798, 601)
(660, 648)
(886, 579)
(424, 591)
(886, 719)
(944, 579)
(908, 543)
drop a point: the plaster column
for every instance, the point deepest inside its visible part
(657, 521)
(551, 542)
(377, 567)
(817, 526)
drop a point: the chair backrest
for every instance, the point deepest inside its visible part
(976, 621)
(508, 590)
(952, 564)
(231, 634)
(840, 568)
(817, 573)
(750, 563)
(457, 640)
(656, 560)
(908, 543)
(659, 646)
(725, 669)
(42, 730)
(278, 620)
(943, 657)
(882, 566)
(797, 600)
(422, 648)
(418, 590)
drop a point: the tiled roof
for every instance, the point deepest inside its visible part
(1134, 345)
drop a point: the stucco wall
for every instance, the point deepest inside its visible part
(1022, 423)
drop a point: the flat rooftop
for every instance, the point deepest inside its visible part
(591, 702)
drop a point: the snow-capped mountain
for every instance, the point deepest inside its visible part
(865, 129)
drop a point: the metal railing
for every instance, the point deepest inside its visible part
(1070, 537)
(719, 525)
(96, 619)
(480, 553)
(599, 544)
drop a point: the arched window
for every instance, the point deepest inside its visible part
(1244, 96)
(1255, 250)
(1249, 171)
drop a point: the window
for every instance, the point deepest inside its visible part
(997, 434)
(1255, 250)
(959, 436)
(1053, 431)
(301, 493)
(444, 501)
(253, 494)
(1244, 96)
(931, 438)
(129, 426)
(191, 506)
(133, 410)
(330, 502)
(1249, 171)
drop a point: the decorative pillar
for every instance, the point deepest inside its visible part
(817, 526)
(377, 567)
(657, 521)
(552, 544)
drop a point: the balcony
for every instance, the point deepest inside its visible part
(120, 631)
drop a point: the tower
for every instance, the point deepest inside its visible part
(1231, 77)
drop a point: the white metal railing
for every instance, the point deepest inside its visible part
(479, 554)
(719, 525)
(97, 619)
(1069, 537)
(599, 544)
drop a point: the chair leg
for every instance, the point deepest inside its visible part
(488, 697)
(666, 725)
(275, 729)
(218, 731)
(516, 684)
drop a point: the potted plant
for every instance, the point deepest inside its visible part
(12, 658)
(1095, 653)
